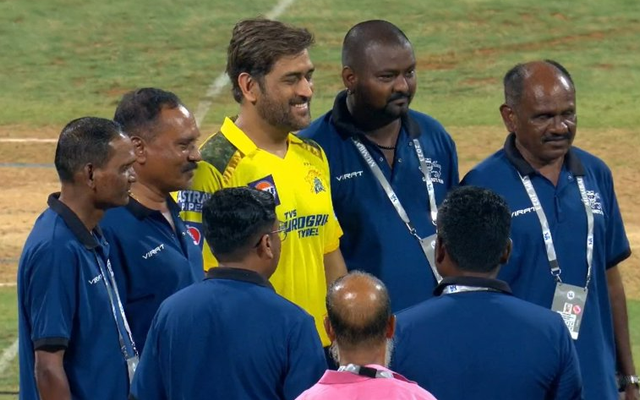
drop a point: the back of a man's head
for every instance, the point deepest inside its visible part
(138, 110)
(359, 309)
(84, 141)
(234, 219)
(474, 225)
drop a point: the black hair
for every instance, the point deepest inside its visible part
(513, 80)
(474, 226)
(84, 141)
(362, 35)
(138, 111)
(235, 218)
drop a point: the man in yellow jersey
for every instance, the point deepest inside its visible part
(270, 70)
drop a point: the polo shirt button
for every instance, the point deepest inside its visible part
(381, 159)
(410, 144)
(399, 160)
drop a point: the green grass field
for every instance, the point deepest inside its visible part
(62, 59)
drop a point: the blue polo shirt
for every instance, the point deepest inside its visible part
(151, 261)
(375, 238)
(229, 337)
(528, 271)
(63, 304)
(486, 345)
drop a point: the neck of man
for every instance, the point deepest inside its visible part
(149, 196)
(265, 136)
(248, 265)
(455, 271)
(78, 200)
(550, 169)
(364, 356)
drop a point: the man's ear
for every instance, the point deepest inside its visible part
(88, 172)
(508, 117)
(329, 329)
(349, 78)
(139, 149)
(504, 258)
(265, 247)
(249, 87)
(391, 327)
(440, 250)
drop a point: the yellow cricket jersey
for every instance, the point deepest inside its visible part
(300, 184)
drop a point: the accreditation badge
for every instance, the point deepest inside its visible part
(428, 245)
(569, 302)
(132, 365)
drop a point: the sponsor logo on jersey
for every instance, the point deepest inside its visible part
(195, 234)
(523, 211)
(266, 184)
(349, 175)
(192, 200)
(595, 202)
(153, 252)
(313, 178)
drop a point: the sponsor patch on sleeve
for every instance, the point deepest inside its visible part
(266, 184)
(192, 200)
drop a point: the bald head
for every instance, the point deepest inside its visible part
(515, 78)
(367, 34)
(359, 310)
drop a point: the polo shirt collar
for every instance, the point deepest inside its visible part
(346, 126)
(238, 274)
(74, 223)
(240, 139)
(141, 212)
(524, 168)
(473, 281)
(331, 377)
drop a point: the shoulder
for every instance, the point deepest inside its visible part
(592, 163)
(311, 147)
(487, 169)
(319, 129)
(111, 222)
(217, 151)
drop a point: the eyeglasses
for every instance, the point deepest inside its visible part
(281, 231)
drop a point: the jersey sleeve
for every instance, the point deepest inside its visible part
(206, 181)
(148, 380)
(618, 248)
(569, 380)
(51, 296)
(306, 360)
(334, 231)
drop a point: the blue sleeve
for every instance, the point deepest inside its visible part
(569, 380)
(618, 248)
(455, 173)
(306, 360)
(51, 291)
(148, 380)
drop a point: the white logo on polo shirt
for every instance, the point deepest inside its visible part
(435, 170)
(349, 175)
(595, 202)
(95, 279)
(523, 212)
(153, 252)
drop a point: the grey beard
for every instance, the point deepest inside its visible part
(334, 350)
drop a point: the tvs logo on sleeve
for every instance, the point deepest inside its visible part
(266, 184)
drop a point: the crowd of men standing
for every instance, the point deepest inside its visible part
(340, 262)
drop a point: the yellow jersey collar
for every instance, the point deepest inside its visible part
(240, 139)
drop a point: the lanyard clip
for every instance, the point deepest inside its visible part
(556, 270)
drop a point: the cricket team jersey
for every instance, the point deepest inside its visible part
(300, 184)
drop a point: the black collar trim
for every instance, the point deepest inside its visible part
(238, 274)
(141, 212)
(73, 222)
(494, 284)
(346, 126)
(524, 168)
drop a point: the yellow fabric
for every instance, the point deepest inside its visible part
(302, 186)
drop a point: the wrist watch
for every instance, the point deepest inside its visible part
(626, 380)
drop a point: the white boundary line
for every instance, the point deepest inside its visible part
(27, 140)
(8, 284)
(222, 80)
(8, 355)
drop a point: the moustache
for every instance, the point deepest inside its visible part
(399, 96)
(299, 100)
(189, 167)
(557, 138)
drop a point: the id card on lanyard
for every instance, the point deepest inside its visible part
(426, 244)
(568, 300)
(130, 356)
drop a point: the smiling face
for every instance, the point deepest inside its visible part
(385, 81)
(544, 119)
(285, 93)
(112, 181)
(167, 161)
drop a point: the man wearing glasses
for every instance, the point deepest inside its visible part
(232, 336)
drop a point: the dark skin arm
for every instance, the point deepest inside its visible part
(50, 376)
(621, 329)
(334, 266)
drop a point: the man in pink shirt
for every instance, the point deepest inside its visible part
(360, 325)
